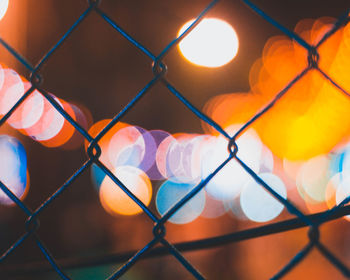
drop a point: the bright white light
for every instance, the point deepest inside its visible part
(257, 203)
(228, 182)
(212, 43)
(3, 7)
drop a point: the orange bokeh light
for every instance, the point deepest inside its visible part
(312, 117)
(95, 129)
(116, 201)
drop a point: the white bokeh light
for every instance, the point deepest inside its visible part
(3, 8)
(212, 43)
(313, 178)
(257, 203)
(228, 182)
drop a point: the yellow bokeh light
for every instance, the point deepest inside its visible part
(212, 43)
(3, 7)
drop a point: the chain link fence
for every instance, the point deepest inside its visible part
(159, 69)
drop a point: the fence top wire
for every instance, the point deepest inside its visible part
(159, 70)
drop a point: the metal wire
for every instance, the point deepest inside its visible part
(159, 69)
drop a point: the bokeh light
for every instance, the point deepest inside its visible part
(313, 178)
(36, 116)
(64, 131)
(12, 89)
(49, 125)
(257, 203)
(97, 176)
(212, 43)
(3, 8)
(299, 146)
(331, 189)
(161, 156)
(234, 208)
(103, 143)
(83, 117)
(29, 112)
(170, 193)
(297, 126)
(266, 161)
(13, 168)
(127, 147)
(158, 136)
(116, 201)
(228, 183)
(343, 192)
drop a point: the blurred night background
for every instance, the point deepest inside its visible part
(99, 70)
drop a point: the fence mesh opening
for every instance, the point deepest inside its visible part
(119, 158)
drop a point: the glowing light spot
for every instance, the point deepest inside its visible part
(3, 8)
(313, 178)
(190, 162)
(161, 156)
(127, 147)
(179, 159)
(150, 147)
(174, 162)
(12, 90)
(2, 76)
(65, 131)
(336, 161)
(104, 141)
(331, 189)
(228, 182)
(345, 160)
(291, 168)
(97, 176)
(199, 146)
(116, 201)
(257, 203)
(13, 168)
(170, 193)
(298, 125)
(212, 43)
(343, 190)
(29, 112)
(343, 193)
(266, 161)
(49, 124)
(234, 208)
(84, 119)
(158, 137)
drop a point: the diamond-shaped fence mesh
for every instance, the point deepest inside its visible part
(159, 245)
